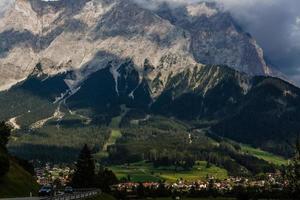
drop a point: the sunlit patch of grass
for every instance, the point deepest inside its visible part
(143, 172)
(277, 160)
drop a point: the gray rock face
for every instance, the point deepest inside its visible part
(87, 35)
(216, 38)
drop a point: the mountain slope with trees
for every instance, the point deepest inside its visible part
(259, 111)
(15, 181)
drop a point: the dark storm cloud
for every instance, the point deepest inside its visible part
(275, 24)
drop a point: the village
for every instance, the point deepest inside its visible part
(61, 176)
(55, 174)
(271, 183)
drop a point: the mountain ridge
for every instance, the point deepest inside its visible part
(62, 36)
(216, 94)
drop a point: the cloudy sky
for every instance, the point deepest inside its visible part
(276, 26)
(274, 23)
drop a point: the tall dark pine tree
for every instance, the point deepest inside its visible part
(105, 179)
(84, 176)
(293, 172)
(4, 134)
(4, 160)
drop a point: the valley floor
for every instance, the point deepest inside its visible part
(145, 172)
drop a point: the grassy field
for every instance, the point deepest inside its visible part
(115, 122)
(145, 172)
(17, 183)
(277, 160)
(138, 172)
(114, 135)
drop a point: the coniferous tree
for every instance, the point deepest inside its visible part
(105, 179)
(4, 160)
(4, 164)
(84, 176)
(4, 134)
(293, 172)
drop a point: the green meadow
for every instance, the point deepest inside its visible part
(274, 159)
(145, 172)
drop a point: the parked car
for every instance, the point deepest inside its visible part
(46, 190)
(69, 190)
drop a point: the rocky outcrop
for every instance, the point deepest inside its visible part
(216, 39)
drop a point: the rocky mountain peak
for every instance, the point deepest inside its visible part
(216, 38)
(86, 35)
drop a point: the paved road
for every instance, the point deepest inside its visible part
(24, 198)
(76, 195)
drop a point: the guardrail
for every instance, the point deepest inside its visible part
(76, 195)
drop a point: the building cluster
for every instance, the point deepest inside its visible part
(53, 175)
(270, 182)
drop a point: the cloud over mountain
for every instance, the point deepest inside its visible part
(274, 23)
(276, 26)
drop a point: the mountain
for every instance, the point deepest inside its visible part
(68, 69)
(260, 111)
(86, 35)
(216, 38)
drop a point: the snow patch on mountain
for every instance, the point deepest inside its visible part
(114, 71)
